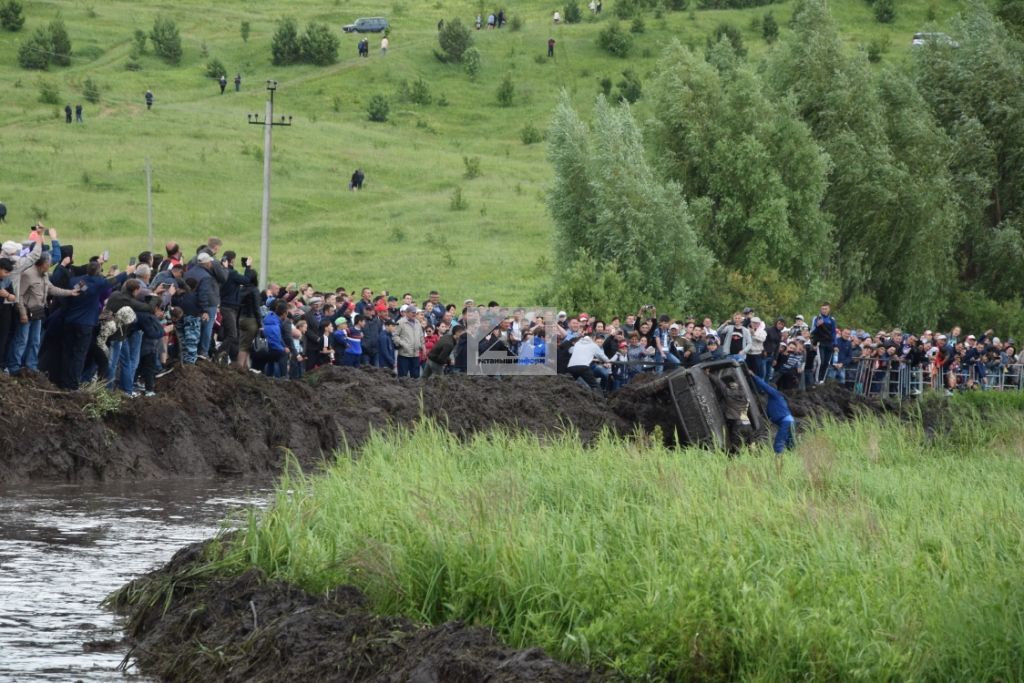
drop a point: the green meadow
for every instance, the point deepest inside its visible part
(401, 232)
(877, 550)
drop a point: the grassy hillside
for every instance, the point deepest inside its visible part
(401, 231)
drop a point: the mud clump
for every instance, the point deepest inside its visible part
(208, 420)
(266, 630)
(832, 400)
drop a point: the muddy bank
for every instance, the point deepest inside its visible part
(207, 420)
(248, 628)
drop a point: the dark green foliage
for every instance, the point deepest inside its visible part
(454, 38)
(885, 11)
(378, 108)
(625, 9)
(140, 41)
(285, 46)
(638, 25)
(530, 134)
(732, 4)
(471, 62)
(245, 30)
(630, 86)
(878, 46)
(319, 45)
(516, 23)
(606, 86)
(34, 53)
(417, 93)
(678, 5)
(506, 91)
(166, 40)
(770, 28)
(11, 17)
(60, 43)
(732, 34)
(572, 13)
(1012, 14)
(215, 68)
(48, 92)
(613, 40)
(91, 91)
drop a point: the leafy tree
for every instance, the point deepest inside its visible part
(166, 40)
(630, 86)
(770, 28)
(60, 43)
(285, 46)
(215, 68)
(885, 11)
(454, 38)
(613, 40)
(471, 62)
(34, 53)
(11, 17)
(319, 45)
(91, 91)
(572, 13)
(378, 108)
(609, 207)
(1012, 14)
(638, 25)
(732, 34)
(506, 91)
(245, 29)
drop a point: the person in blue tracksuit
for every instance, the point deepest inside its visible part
(778, 413)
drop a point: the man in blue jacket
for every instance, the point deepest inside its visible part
(823, 335)
(80, 319)
(778, 413)
(276, 349)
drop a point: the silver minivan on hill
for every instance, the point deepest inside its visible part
(367, 25)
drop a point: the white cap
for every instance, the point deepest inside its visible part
(11, 248)
(562, 314)
(203, 257)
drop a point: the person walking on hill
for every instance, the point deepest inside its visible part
(67, 113)
(3, 212)
(356, 183)
(551, 47)
(149, 99)
(78, 113)
(223, 83)
(238, 82)
(384, 44)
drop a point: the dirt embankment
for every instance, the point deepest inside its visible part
(208, 420)
(248, 628)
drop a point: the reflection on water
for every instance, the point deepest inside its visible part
(63, 548)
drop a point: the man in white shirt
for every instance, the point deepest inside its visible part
(585, 352)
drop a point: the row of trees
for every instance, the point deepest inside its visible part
(898, 193)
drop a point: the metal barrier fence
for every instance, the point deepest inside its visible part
(883, 378)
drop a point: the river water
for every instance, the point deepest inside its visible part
(64, 548)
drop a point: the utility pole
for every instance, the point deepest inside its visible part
(149, 201)
(268, 124)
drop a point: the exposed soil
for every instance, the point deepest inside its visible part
(207, 420)
(248, 628)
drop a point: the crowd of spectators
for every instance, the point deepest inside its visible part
(85, 320)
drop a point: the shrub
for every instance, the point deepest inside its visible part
(624, 9)
(417, 93)
(530, 134)
(319, 45)
(284, 46)
(885, 11)
(457, 201)
(638, 25)
(733, 34)
(506, 91)
(613, 40)
(245, 29)
(215, 68)
(472, 165)
(471, 63)
(11, 18)
(878, 46)
(91, 91)
(166, 40)
(48, 92)
(516, 23)
(60, 43)
(34, 53)
(677, 5)
(140, 40)
(629, 87)
(454, 39)
(378, 108)
(770, 28)
(606, 86)
(572, 13)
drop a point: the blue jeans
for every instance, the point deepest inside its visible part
(124, 361)
(206, 337)
(783, 437)
(25, 346)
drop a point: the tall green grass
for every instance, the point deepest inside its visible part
(871, 553)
